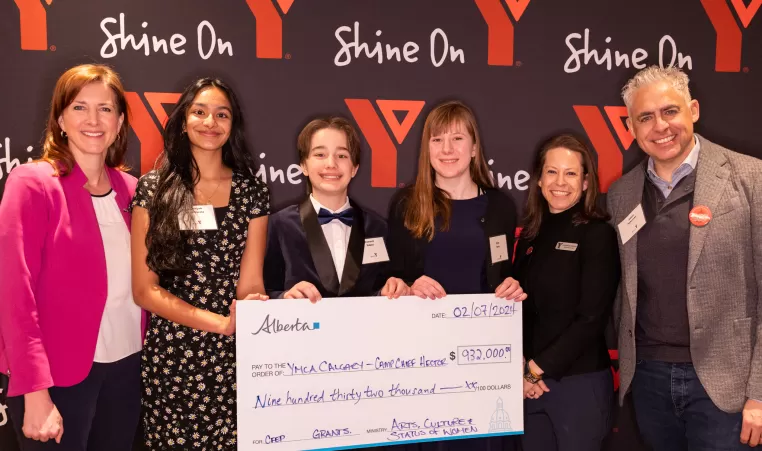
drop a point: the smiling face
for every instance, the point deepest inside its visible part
(329, 163)
(91, 121)
(209, 120)
(661, 120)
(451, 152)
(563, 180)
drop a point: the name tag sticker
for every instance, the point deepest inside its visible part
(374, 251)
(561, 246)
(498, 248)
(202, 219)
(632, 224)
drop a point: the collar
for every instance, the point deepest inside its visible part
(317, 205)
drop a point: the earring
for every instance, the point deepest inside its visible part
(64, 135)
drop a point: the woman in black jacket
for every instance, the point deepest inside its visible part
(567, 261)
(442, 228)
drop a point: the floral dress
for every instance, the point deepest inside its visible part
(189, 376)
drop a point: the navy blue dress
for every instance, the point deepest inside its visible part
(456, 258)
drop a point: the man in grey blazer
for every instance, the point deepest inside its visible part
(689, 220)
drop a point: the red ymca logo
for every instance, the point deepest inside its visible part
(610, 160)
(383, 152)
(147, 128)
(500, 37)
(729, 35)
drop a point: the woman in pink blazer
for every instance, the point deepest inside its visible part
(70, 332)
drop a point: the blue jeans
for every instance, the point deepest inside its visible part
(674, 412)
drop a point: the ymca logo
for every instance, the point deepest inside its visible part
(729, 36)
(383, 152)
(500, 37)
(269, 28)
(34, 24)
(147, 128)
(610, 159)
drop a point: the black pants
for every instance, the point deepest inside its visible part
(101, 413)
(575, 415)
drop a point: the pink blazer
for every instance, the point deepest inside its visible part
(53, 281)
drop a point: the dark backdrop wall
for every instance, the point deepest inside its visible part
(529, 68)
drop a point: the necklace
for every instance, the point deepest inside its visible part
(209, 197)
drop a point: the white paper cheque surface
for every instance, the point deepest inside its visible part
(358, 372)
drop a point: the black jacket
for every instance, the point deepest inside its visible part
(407, 253)
(570, 293)
(297, 250)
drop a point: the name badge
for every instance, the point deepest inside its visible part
(632, 224)
(374, 251)
(571, 247)
(202, 218)
(498, 248)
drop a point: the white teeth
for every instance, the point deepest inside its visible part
(559, 193)
(332, 177)
(665, 140)
(93, 134)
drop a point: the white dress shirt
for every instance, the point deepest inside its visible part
(119, 334)
(336, 234)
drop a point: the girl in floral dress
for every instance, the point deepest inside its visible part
(198, 238)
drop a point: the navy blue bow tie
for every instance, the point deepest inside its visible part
(346, 216)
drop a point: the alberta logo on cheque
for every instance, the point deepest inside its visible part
(274, 325)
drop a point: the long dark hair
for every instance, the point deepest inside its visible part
(536, 203)
(178, 174)
(427, 201)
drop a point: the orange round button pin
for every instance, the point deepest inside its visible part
(700, 216)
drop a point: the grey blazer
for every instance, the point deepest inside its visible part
(724, 276)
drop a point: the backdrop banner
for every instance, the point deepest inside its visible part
(528, 68)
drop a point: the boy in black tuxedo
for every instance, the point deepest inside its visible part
(327, 245)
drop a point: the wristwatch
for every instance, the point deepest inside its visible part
(531, 376)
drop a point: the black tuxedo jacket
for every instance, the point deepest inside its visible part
(297, 250)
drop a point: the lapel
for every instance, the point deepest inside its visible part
(712, 175)
(122, 196)
(355, 249)
(321, 253)
(79, 199)
(631, 197)
(83, 219)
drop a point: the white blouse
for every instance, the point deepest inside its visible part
(119, 334)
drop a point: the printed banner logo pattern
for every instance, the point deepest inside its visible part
(145, 127)
(610, 160)
(500, 38)
(729, 36)
(383, 161)
(269, 28)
